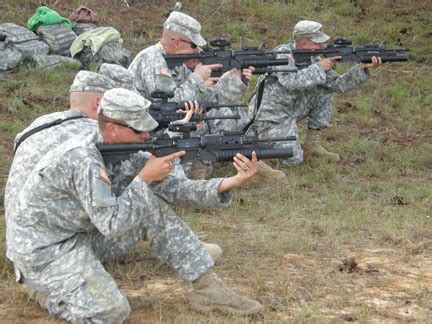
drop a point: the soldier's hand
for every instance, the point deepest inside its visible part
(206, 70)
(329, 63)
(247, 73)
(191, 107)
(157, 169)
(376, 61)
(246, 169)
(211, 81)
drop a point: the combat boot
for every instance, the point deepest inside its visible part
(267, 172)
(311, 146)
(210, 293)
(199, 171)
(214, 251)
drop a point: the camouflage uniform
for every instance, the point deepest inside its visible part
(30, 151)
(290, 97)
(67, 221)
(152, 74)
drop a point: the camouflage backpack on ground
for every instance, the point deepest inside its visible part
(23, 40)
(80, 28)
(16, 44)
(113, 53)
(50, 61)
(59, 38)
(9, 57)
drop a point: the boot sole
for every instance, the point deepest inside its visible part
(226, 309)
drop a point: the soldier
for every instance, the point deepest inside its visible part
(67, 221)
(48, 131)
(289, 97)
(181, 35)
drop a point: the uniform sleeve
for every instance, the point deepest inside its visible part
(152, 74)
(177, 189)
(190, 87)
(303, 79)
(230, 89)
(111, 215)
(350, 80)
(146, 70)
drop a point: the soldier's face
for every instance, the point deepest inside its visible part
(185, 46)
(308, 44)
(127, 135)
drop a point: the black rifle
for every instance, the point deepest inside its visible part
(229, 58)
(209, 148)
(165, 112)
(165, 119)
(341, 47)
(161, 103)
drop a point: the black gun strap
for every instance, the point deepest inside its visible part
(42, 127)
(257, 103)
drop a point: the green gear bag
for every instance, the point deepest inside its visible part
(46, 16)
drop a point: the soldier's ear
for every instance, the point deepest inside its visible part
(96, 102)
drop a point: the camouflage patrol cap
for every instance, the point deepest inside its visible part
(127, 106)
(122, 77)
(311, 30)
(87, 81)
(183, 24)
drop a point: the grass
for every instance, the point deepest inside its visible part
(283, 243)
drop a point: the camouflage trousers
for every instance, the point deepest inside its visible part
(314, 104)
(218, 126)
(288, 127)
(78, 287)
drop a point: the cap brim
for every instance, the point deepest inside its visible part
(198, 40)
(321, 38)
(144, 125)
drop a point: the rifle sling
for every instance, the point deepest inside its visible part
(257, 103)
(42, 127)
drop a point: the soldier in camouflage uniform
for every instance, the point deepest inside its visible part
(181, 35)
(289, 97)
(53, 129)
(67, 220)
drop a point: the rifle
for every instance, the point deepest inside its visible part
(164, 119)
(165, 112)
(162, 104)
(229, 58)
(209, 148)
(341, 47)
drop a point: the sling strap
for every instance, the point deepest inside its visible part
(42, 127)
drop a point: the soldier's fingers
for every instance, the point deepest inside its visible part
(214, 66)
(254, 158)
(335, 58)
(242, 158)
(174, 156)
(186, 106)
(196, 105)
(237, 167)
